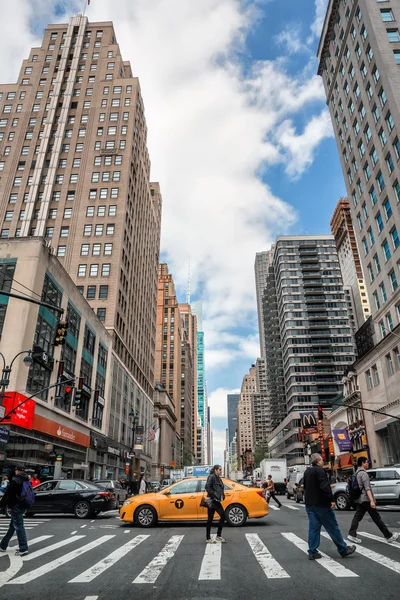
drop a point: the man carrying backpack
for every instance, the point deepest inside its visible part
(360, 492)
(18, 497)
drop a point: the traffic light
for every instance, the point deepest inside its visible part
(320, 413)
(78, 393)
(61, 333)
(68, 393)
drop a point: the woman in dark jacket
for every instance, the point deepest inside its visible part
(215, 491)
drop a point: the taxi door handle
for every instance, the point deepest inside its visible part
(191, 497)
(227, 494)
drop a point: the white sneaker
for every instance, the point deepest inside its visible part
(220, 539)
(356, 540)
(394, 538)
(211, 541)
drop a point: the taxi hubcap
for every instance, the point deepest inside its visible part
(341, 502)
(145, 517)
(236, 515)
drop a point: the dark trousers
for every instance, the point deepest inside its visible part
(361, 509)
(16, 525)
(319, 516)
(272, 495)
(215, 507)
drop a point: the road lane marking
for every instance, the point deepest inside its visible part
(74, 532)
(211, 564)
(378, 558)
(55, 546)
(154, 568)
(378, 538)
(274, 508)
(58, 562)
(269, 565)
(91, 597)
(16, 564)
(127, 531)
(37, 540)
(108, 562)
(291, 507)
(83, 526)
(326, 561)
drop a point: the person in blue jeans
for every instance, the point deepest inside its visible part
(11, 499)
(319, 504)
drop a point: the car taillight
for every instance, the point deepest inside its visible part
(260, 493)
(104, 494)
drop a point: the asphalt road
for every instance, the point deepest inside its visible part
(100, 559)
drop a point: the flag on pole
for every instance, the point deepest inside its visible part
(152, 433)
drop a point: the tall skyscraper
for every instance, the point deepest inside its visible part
(76, 170)
(350, 265)
(316, 338)
(197, 310)
(245, 438)
(190, 322)
(261, 406)
(359, 58)
(261, 266)
(232, 402)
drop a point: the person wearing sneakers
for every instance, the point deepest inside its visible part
(366, 503)
(319, 503)
(12, 499)
(215, 491)
(271, 491)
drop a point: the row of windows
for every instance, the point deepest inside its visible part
(96, 249)
(94, 270)
(64, 231)
(102, 293)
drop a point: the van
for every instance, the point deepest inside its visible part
(294, 480)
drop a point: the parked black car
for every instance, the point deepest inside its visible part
(81, 498)
(115, 487)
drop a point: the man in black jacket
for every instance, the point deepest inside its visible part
(319, 503)
(12, 499)
(215, 491)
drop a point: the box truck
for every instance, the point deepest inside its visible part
(277, 467)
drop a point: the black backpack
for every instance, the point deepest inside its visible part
(353, 488)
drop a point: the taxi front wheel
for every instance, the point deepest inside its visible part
(236, 515)
(146, 516)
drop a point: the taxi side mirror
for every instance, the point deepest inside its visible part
(166, 493)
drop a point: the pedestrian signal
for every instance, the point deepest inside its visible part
(320, 413)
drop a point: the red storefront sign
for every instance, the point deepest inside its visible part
(23, 414)
(321, 440)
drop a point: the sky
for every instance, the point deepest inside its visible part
(239, 137)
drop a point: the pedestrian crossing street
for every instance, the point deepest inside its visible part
(47, 555)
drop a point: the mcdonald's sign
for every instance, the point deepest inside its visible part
(308, 422)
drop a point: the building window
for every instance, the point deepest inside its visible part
(375, 375)
(64, 231)
(389, 322)
(85, 249)
(387, 15)
(94, 270)
(397, 56)
(101, 314)
(395, 238)
(380, 181)
(90, 211)
(91, 292)
(377, 264)
(67, 213)
(379, 222)
(377, 301)
(87, 230)
(110, 230)
(82, 270)
(61, 250)
(389, 365)
(103, 292)
(99, 230)
(388, 209)
(393, 280)
(96, 250)
(383, 292)
(369, 379)
(106, 269)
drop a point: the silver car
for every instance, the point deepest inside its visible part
(385, 484)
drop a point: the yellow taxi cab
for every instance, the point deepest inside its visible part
(181, 502)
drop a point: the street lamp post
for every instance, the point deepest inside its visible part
(6, 372)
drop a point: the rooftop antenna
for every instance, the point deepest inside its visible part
(188, 286)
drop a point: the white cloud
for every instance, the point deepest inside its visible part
(320, 12)
(217, 401)
(219, 438)
(290, 40)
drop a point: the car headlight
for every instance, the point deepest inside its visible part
(126, 503)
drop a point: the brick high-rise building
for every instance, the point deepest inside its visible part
(359, 58)
(350, 265)
(75, 169)
(190, 325)
(245, 434)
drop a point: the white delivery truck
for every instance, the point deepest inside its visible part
(277, 467)
(295, 474)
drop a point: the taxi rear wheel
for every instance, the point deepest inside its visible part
(236, 515)
(146, 516)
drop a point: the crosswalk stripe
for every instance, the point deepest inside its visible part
(269, 565)
(55, 546)
(211, 563)
(154, 568)
(37, 540)
(108, 562)
(376, 557)
(378, 538)
(58, 562)
(326, 561)
(274, 508)
(291, 507)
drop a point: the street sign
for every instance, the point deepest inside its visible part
(2, 411)
(4, 433)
